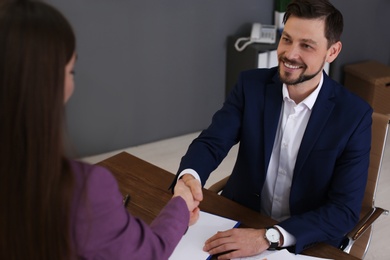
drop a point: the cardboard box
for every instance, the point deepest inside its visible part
(371, 81)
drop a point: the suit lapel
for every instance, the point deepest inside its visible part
(272, 108)
(320, 115)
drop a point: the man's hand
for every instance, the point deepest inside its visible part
(193, 205)
(237, 242)
(194, 185)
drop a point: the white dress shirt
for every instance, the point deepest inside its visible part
(276, 191)
(275, 195)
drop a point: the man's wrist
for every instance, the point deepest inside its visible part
(281, 239)
(190, 172)
(288, 238)
(274, 237)
(187, 177)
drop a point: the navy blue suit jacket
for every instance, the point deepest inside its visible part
(331, 167)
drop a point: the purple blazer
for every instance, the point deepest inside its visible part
(101, 228)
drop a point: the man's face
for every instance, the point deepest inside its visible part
(303, 50)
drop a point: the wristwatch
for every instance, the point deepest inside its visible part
(272, 235)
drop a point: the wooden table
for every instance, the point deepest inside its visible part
(148, 186)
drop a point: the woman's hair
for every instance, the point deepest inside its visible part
(318, 9)
(36, 43)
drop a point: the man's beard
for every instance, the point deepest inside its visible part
(302, 77)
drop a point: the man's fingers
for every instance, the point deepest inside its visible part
(196, 190)
(194, 185)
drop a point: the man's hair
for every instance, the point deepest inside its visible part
(318, 9)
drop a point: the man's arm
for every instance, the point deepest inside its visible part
(207, 151)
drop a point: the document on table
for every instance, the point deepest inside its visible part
(279, 255)
(191, 245)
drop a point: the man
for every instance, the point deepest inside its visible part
(304, 142)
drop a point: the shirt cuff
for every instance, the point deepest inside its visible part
(189, 171)
(288, 239)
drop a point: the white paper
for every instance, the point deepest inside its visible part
(191, 245)
(279, 255)
(270, 255)
(306, 257)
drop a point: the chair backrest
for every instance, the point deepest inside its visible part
(380, 125)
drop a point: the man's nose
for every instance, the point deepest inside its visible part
(292, 52)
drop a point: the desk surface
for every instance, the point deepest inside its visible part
(148, 185)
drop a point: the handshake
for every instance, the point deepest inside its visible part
(190, 190)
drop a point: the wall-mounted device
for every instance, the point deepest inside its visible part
(259, 34)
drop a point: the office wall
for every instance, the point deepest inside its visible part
(149, 69)
(366, 33)
(152, 69)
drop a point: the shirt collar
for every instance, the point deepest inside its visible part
(309, 100)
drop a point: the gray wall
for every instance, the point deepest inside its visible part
(154, 69)
(366, 33)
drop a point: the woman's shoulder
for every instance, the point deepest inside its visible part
(93, 179)
(82, 170)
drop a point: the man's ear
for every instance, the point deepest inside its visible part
(334, 51)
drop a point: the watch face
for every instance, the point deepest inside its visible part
(272, 235)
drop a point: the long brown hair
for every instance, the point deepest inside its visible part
(36, 43)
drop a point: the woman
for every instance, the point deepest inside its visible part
(53, 207)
